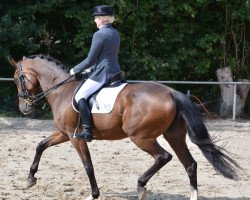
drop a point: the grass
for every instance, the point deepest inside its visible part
(4, 113)
(36, 115)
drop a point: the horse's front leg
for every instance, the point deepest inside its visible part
(56, 138)
(83, 151)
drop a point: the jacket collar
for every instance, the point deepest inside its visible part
(105, 26)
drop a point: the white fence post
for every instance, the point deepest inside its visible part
(234, 102)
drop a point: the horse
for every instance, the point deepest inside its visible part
(142, 112)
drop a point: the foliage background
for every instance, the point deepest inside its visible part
(161, 39)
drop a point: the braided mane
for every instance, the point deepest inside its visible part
(50, 59)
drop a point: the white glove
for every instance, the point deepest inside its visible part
(88, 70)
(72, 72)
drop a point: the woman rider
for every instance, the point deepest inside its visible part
(103, 55)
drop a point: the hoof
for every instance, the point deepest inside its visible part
(142, 192)
(90, 198)
(31, 182)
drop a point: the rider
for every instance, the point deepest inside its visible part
(103, 55)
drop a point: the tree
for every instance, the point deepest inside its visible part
(236, 48)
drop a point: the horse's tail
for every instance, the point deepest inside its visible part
(199, 135)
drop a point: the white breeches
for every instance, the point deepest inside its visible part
(87, 89)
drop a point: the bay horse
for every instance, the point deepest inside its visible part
(142, 112)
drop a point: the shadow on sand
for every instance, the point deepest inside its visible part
(164, 196)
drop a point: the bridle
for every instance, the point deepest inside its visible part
(26, 95)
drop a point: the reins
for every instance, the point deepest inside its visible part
(44, 94)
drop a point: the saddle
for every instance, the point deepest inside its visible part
(115, 81)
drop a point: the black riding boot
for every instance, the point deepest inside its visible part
(85, 114)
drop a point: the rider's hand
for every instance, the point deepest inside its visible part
(72, 72)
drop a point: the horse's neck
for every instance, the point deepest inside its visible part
(49, 76)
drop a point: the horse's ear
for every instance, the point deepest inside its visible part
(12, 62)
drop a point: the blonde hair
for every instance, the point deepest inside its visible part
(107, 19)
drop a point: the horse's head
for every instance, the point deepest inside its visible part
(27, 84)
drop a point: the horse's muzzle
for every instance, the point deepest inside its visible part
(25, 108)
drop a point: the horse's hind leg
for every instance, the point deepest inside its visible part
(161, 157)
(56, 138)
(176, 137)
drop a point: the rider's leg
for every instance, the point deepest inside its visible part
(87, 89)
(85, 114)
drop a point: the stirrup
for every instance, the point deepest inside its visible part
(84, 136)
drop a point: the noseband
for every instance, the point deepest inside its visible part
(25, 94)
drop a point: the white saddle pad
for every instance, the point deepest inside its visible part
(106, 99)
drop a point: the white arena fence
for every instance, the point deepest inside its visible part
(187, 82)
